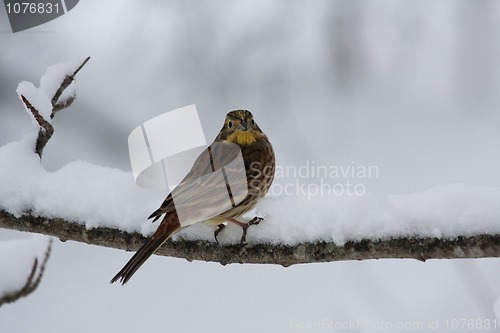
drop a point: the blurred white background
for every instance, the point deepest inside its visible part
(412, 87)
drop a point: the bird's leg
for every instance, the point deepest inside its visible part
(245, 226)
(220, 227)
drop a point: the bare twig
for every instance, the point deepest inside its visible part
(479, 246)
(32, 282)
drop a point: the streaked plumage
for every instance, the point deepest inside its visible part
(258, 156)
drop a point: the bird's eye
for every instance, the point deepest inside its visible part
(229, 124)
(253, 122)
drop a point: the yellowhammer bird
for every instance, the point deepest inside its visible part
(200, 193)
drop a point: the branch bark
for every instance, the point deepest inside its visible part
(480, 246)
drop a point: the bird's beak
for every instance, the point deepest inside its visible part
(243, 126)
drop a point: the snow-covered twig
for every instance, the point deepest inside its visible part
(58, 102)
(479, 246)
(32, 281)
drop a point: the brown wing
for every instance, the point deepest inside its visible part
(202, 184)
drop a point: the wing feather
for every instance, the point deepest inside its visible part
(202, 187)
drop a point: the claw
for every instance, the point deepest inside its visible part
(256, 220)
(220, 227)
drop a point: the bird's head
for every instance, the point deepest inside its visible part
(240, 128)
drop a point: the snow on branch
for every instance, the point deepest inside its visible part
(421, 248)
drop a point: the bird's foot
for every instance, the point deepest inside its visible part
(256, 220)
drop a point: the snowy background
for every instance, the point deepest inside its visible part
(412, 88)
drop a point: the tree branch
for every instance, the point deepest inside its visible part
(479, 246)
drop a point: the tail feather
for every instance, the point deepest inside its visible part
(167, 228)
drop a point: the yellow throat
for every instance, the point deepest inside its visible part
(244, 137)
